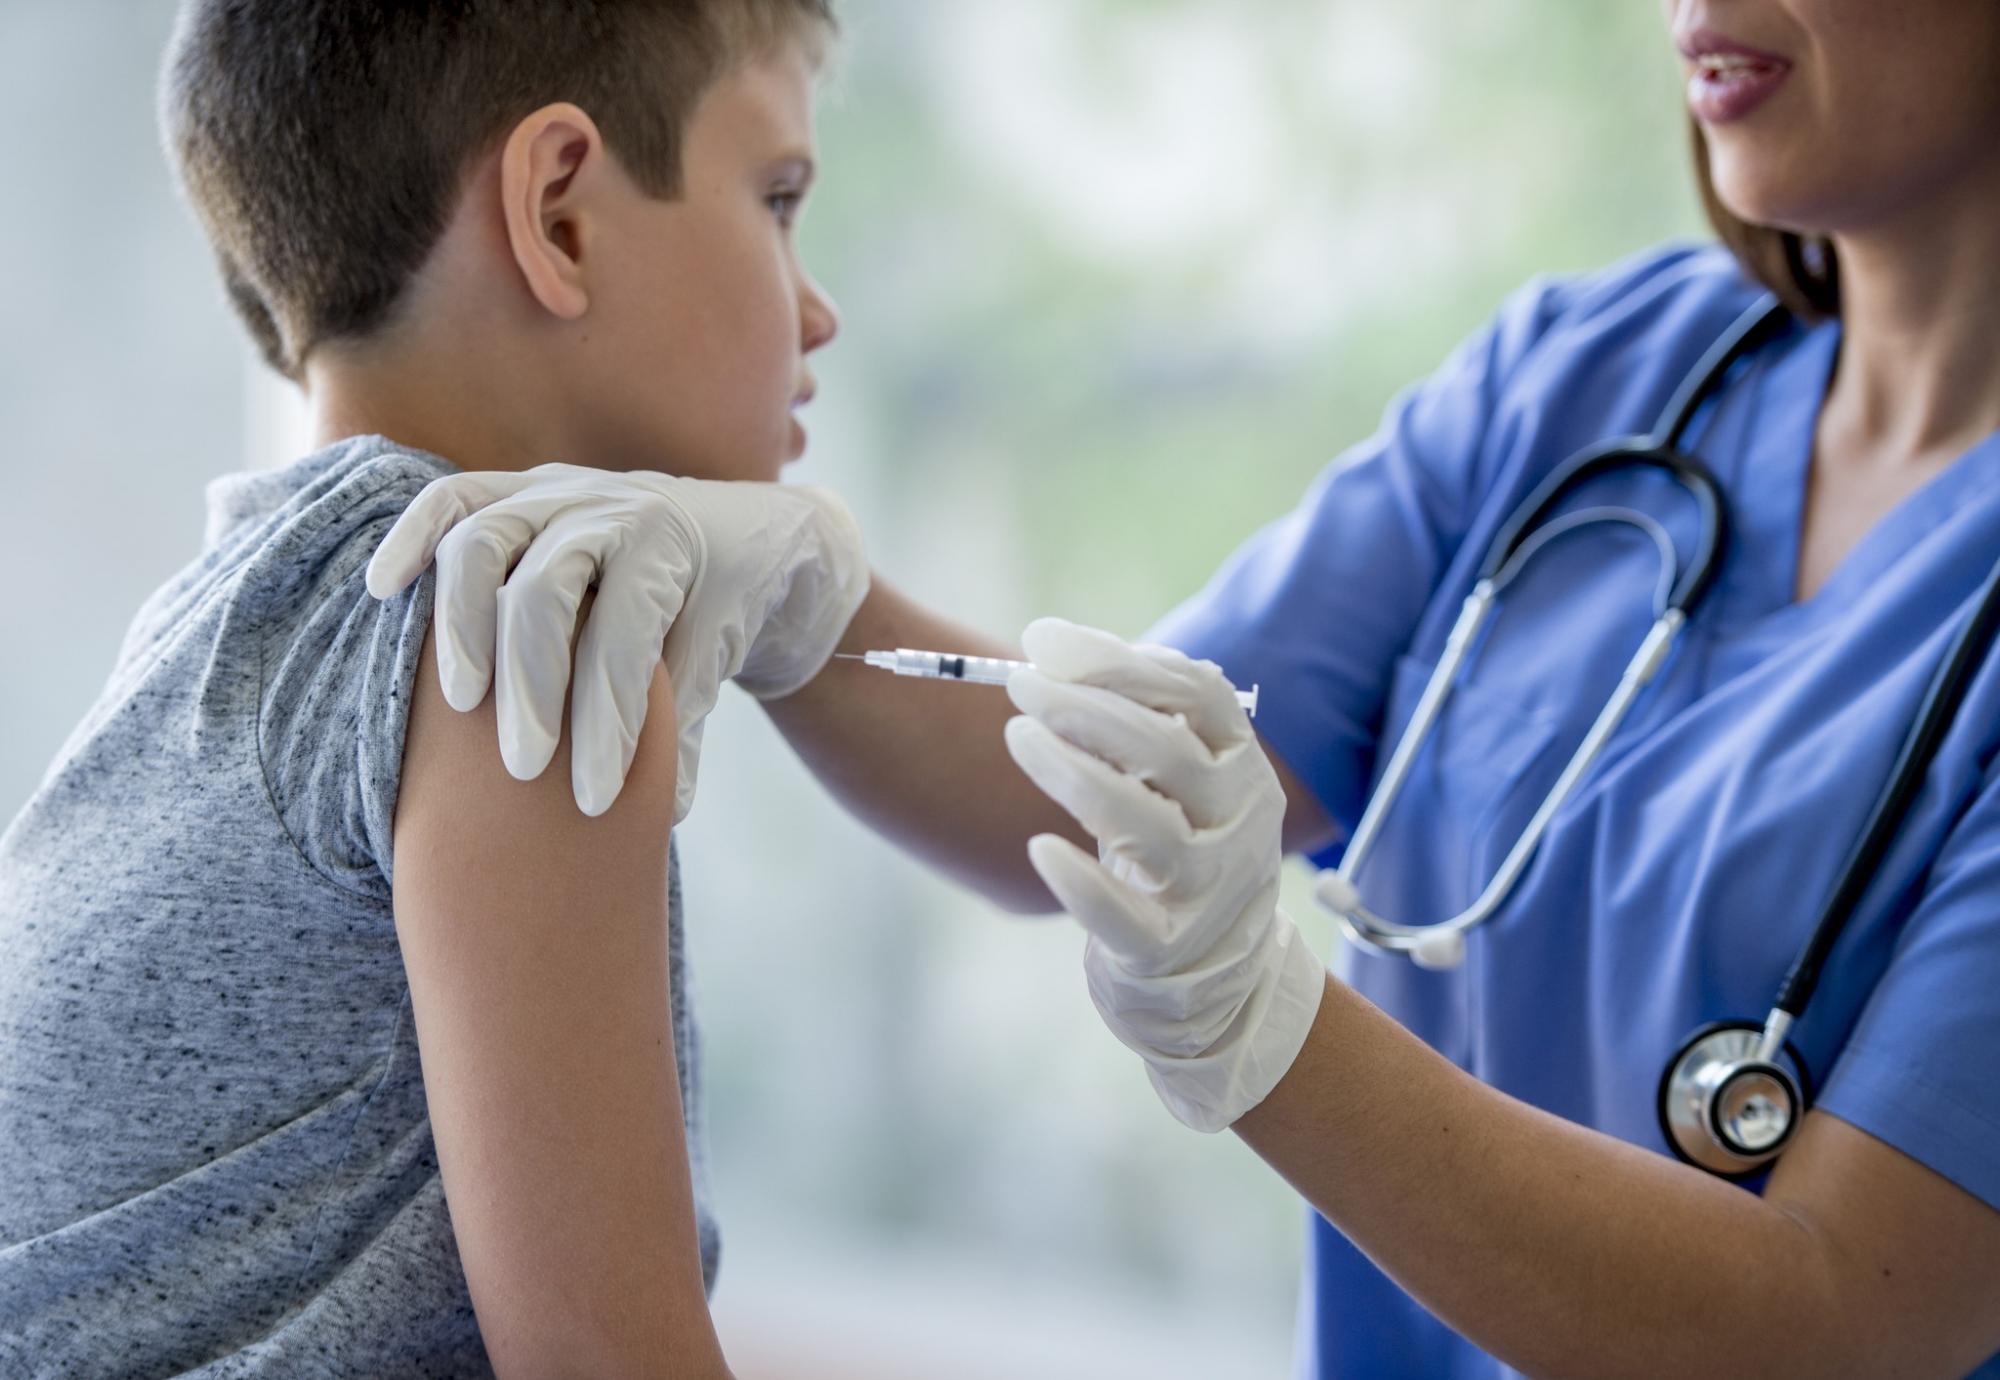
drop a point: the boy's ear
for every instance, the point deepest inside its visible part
(548, 167)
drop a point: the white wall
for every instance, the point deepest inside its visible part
(120, 365)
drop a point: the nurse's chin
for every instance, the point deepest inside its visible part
(1757, 192)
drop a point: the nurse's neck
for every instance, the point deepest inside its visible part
(1918, 381)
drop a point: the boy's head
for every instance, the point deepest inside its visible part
(587, 203)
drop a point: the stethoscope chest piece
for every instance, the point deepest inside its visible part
(1726, 1107)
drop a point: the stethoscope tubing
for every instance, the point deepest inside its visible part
(1441, 944)
(1720, 1059)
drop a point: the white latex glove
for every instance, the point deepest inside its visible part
(746, 581)
(1190, 961)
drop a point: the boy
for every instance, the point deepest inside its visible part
(245, 1057)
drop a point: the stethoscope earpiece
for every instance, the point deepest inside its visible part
(1726, 1107)
(1439, 952)
(1335, 892)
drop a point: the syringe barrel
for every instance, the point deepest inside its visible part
(975, 670)
(978, 670)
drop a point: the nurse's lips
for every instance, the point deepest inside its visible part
(1729, 79)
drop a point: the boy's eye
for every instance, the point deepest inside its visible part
(785, 205)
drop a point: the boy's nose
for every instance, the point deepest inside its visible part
(819, 319)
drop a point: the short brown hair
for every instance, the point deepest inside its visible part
(323, 142)
(1801, 269)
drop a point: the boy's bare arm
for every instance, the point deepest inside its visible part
(926, 764)
(535, 940)
(921, 762)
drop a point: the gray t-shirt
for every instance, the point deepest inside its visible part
(215, 1156)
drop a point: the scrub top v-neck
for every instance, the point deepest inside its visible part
(1678, 882)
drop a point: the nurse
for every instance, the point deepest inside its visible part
(1494, 1190)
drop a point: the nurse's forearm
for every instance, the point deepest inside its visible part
(1560, 1250)
(924, 763)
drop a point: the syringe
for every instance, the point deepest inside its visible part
(973, 670)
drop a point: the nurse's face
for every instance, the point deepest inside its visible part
(1832, 116)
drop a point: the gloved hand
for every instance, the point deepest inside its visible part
(747, 581)
(1190, 961)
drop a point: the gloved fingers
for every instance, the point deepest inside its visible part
(537, 625)
(1158, 749)
(1072, 651)
(622, 642)
(1213, 711)
(1128, 818)
(472, 563)
(1157, 677)
(1115, 915)
(444, 503)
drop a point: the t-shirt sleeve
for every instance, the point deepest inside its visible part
(1316, 608)
(1918, 1072)
(338, 666)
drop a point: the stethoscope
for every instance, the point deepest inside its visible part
(1735, 1092)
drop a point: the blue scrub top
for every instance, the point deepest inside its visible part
(1677, 884)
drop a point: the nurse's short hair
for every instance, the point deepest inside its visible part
(323, 143)
(1801, 269)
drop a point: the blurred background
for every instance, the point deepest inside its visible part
(1118, 277)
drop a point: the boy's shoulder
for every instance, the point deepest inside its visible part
(296, 520)
(275, 541)
(335, 665)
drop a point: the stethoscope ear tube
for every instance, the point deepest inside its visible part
(1749, 331)
(1661, 450)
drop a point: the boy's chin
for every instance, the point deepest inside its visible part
(764, 463)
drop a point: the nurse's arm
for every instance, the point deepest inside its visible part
(1563, 1251)
(926, 765)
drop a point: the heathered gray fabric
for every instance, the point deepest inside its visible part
(214, 1153)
